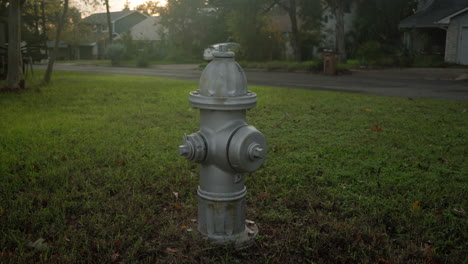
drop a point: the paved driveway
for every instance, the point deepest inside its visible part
(413, 82)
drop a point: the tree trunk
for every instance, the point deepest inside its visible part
(61, 23)
(15, 77)
(109, 23)
(296, 42)
(339, 30)
(44, 29)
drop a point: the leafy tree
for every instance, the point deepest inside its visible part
(378, 20)
(291, 7)
(191, 26)
(250, 26)
(38, 16)
(338, 7)
(149, 7)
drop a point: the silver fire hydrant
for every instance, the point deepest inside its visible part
(226, 148)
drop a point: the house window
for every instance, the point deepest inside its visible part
(94, 28)
(104, 28)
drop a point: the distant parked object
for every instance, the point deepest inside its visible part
(208, 53)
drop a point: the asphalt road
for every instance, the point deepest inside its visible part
(409, 83)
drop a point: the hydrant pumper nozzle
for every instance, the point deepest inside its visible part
(226, 147)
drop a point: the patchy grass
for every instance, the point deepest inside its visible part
(89, 164)
(128, 63)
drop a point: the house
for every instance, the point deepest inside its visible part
(329, 24)
(282, 23)
(121, 22)
(439, 27)
(147, 30)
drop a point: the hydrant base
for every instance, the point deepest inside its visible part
(240, 241)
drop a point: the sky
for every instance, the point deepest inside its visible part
(115, 5)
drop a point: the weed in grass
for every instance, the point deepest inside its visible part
(89, 168)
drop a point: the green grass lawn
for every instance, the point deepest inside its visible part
(89, 164)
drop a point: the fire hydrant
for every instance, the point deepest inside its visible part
(226, 148)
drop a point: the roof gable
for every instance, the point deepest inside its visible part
(432, 14)
(101, 18)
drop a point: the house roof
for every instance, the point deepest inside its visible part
(430, 16)
(101, 18)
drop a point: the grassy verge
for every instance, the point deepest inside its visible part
(289, 66)
(89, 168)
(127, 63)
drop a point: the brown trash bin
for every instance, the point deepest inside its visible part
(329, 62)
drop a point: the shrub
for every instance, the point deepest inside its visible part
(293, 66)
(370, 53)
(274, 65)
(116, 53)
(429, 61)
(142, 60)
(312, 66)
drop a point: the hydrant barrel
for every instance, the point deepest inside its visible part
(226, 148)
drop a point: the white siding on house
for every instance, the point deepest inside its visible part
(451, 42)
(147, 29)
(455, 46)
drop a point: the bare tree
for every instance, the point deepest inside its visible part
(290, 6)
(338, 8)
(61, 23)
(109, 23)
(15, 76)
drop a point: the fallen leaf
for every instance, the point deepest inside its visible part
(357, 237)
(38, 244)
(183, 227)
(277, 125)
(384, 261)
(263, 196)
(376, 128)
(416, 207)
(115, 257)
(460, 212)
(172, 250)
(176, 194)
(178, 207)
(117, 243)
(368, 110)
(427, 251)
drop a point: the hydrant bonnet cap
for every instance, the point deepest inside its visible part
(223, 86)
